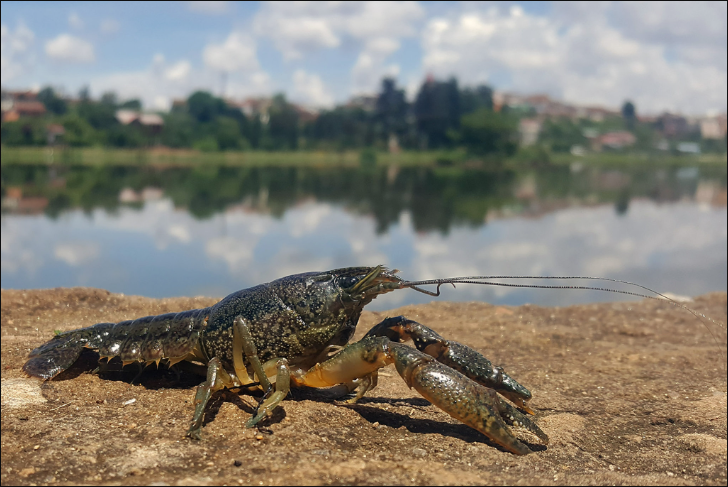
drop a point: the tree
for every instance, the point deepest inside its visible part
(283, 124)
(254, 132)
(485, 132)
(128, 136)
(561, 135)
(629, 114)
(391, 111)
(472, 99)
(84, 94)
(227, 133)
(24, 132)
(204, 107)
(109, 98)
(52, 102)
(437, 110)
(341, 128)
(78, 132)
(101, 116)
(179, 130)
(134, 104)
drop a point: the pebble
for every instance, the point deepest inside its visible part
(419, 452)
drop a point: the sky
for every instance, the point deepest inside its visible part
(664, 56)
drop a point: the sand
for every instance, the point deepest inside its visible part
(629, 393)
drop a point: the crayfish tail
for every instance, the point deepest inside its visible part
(49, 360)
(60, 352)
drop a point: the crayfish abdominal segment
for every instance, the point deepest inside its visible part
(282, 334)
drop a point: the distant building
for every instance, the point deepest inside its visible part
(15, 202)
(617, 140)
(254, 106)
(178, 105)
(368, 103)
(55, 133)
(131, 117)
(713, 127)
(597, 114)
(688, 148)
(305, 114)
(529, 130)
(544, 106)
(16, 104)
(673, 126)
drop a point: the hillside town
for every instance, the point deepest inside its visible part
(439, 117)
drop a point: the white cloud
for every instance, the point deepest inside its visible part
(74, 21)
(370, 67)
(77, 253)
(109, 26)
(310, 89)
(683, 23)
(367, 73)
(237, 53)
(163, 81)
(294, 35)
(67, 48)
(579, 56)
(15, 56)
(178, 71)
(154, 86)
(375, 28)
(236, 253)
(209, 7)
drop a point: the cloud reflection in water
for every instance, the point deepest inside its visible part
(162, 251)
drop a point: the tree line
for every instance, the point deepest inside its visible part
(443, 115)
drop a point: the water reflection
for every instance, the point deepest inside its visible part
(436, 198)
(209, 231)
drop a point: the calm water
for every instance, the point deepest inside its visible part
(211, 231)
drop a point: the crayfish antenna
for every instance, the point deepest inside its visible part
(487, 280)
(425, 291)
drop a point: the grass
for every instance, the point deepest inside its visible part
(93, 156)
(187, 157)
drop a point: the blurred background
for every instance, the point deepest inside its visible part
(197, 148)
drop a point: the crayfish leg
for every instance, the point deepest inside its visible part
(243, 344)
(283, 386)
(217, 378)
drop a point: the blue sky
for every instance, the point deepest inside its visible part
(664, 56)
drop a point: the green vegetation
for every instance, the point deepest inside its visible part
(445, 125)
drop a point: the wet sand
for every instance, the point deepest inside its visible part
(629, 393)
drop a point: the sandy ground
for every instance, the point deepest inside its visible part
(629, 393)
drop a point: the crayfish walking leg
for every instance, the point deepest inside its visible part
(218, 378)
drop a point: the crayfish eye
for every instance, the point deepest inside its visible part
(348, 282)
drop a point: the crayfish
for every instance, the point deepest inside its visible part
(294, 331)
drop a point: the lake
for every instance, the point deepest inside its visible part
(212, 230)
